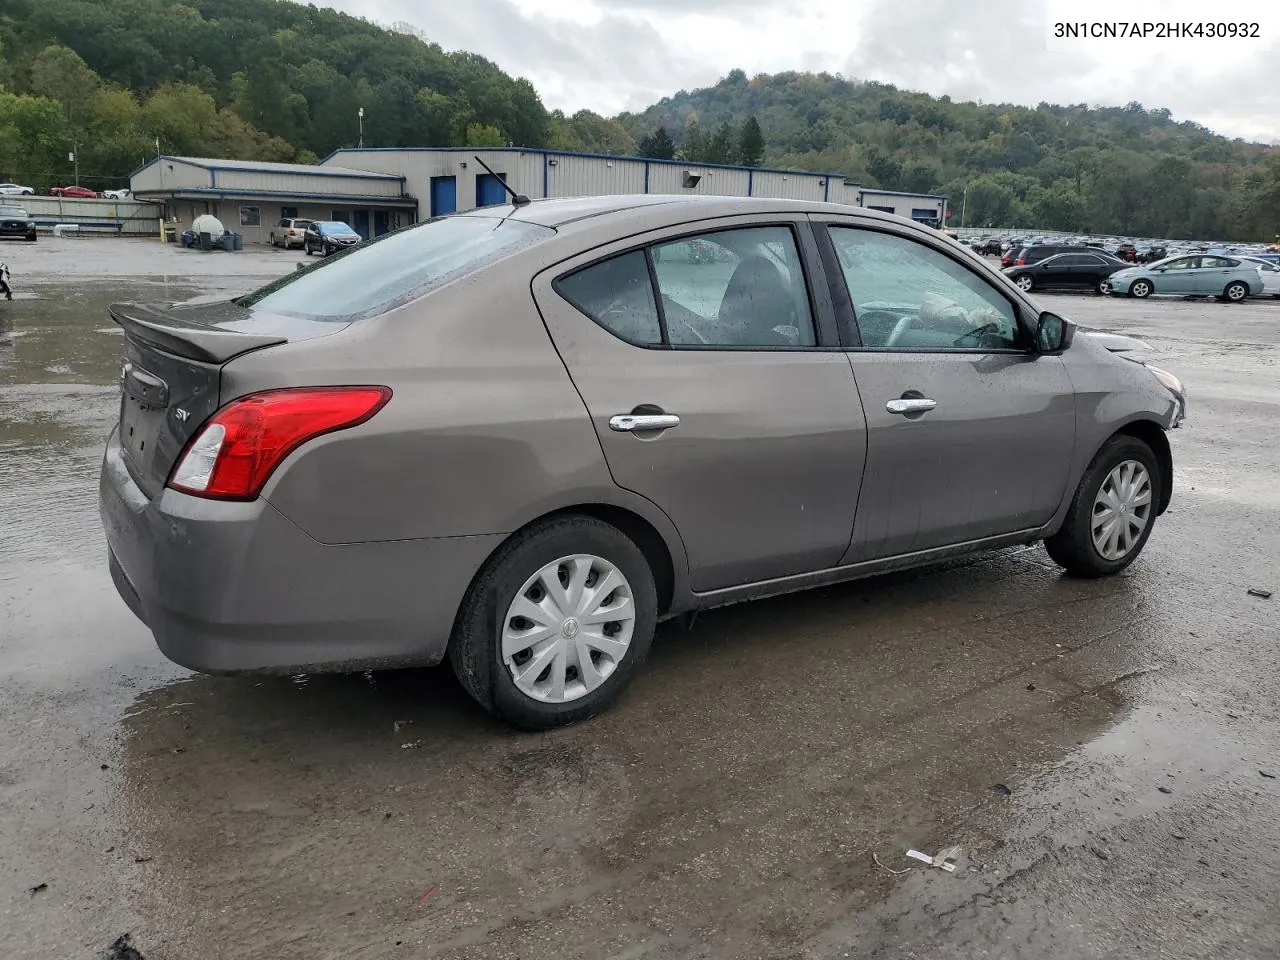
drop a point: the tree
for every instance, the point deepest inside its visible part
(483, 135)
(59, 74)
(693, 145)
(751, 143)
(723, 147)
(658, 145)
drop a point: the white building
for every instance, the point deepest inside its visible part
(376, 189)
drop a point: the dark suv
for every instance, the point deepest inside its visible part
(1042, 251)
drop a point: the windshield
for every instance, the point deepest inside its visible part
(13, 212)
(333, 227)
(395, 268)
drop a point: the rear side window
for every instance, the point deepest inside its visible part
(617, 295)
(395, 268)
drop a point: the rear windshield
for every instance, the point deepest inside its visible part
(395, 268)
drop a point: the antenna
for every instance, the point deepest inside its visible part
(517, 199)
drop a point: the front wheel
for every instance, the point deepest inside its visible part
(1112, 512)
(1235, 292)
(1140, 289)
(1025, 282)
(555, 625)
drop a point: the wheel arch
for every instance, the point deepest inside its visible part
(1154, 436)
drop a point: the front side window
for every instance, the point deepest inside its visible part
(395, 268)
(908, 296)
(1185, 263)
(735, 288)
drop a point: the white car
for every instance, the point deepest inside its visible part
(117, 194)
(15, 190)
(1270, 274)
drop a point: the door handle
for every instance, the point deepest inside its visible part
(640, 422)
(910, 405)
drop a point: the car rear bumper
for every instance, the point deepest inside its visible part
(238, 588)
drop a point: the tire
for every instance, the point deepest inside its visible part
(1025, 282)
(1140, 289)
(1073, 547)
(1102, 287)
(1235, 292)
(306, 247)
(476, 648)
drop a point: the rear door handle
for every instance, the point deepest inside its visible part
(640, 422)
(910, 405)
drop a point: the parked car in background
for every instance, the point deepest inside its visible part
(79, 193)
(1269, 270)
(290, 232)
(1042, 251)
(16, 224)
(1228, 278)
(325, 237)
(122, 194)
(520, 436)
(15, 190)
(1066, 271)
(1127, 252)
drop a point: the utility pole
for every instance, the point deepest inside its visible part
(964, 201)
(75, 158)
(360, 114)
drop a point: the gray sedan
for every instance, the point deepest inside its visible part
(520, 437)
(1228, 278)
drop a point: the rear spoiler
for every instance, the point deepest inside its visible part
(189, 331)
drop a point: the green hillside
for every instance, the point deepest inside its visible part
(1113, 169)
(275, 80)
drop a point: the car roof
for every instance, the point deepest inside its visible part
(557, 213)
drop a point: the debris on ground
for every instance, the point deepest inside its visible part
(896, 873)
(1100, 853)
(943, 859)
(142, 859)
(1268, 774)
(123, 949)
(1260, 593)
(428, 893)
(1002, 789)
(399, 725)
(412, 745)
(38, 888)
(1164, 789)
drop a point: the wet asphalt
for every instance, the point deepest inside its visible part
(1103, 753)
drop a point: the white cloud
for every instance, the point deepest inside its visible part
(611, 55)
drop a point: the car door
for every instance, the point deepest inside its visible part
(970, 433)
(1177, 276)
(725, 399)
(1057, 271)
(1214, 274)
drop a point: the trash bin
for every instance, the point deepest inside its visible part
(227, 242)
(206, 240)
(239, 241)
(188, 238)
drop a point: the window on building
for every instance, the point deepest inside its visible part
(883, 209)
(250, 216)
(341, 216)
(288, 213)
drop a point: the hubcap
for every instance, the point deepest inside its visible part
(1024, 282)
(1121, 510)
(568, 628)
(1235, 291)
(1140, 288)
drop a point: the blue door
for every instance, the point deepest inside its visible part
(381, 222)
(489, 189)
(444, 195)
(360, 223)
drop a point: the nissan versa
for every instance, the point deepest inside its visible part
(520, 437)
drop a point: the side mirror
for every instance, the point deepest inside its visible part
(1053, 333)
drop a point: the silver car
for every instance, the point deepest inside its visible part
(1228, 278)
(520, 437)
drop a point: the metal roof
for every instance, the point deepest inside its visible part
(539, 151)
(264, 166)
(902, 193)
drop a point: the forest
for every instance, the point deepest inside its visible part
(274, 80)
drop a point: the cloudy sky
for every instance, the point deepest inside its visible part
(613, 55)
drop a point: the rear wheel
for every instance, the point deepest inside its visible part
(1140, 289)
(1235, 291)
(556, 623)
(1112, 512)
(306, 248)
(1103, 287)
(1025, 282)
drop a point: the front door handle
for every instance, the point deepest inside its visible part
(641, 422)
(910, 405)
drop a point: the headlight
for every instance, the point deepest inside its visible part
(1174, 386)
(31, 224)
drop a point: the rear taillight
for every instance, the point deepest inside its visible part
(234, 453)
(1019, 262)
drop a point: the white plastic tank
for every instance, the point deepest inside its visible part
(206, 223)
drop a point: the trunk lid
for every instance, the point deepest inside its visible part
(171, 370)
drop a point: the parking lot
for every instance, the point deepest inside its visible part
(1104, 753)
